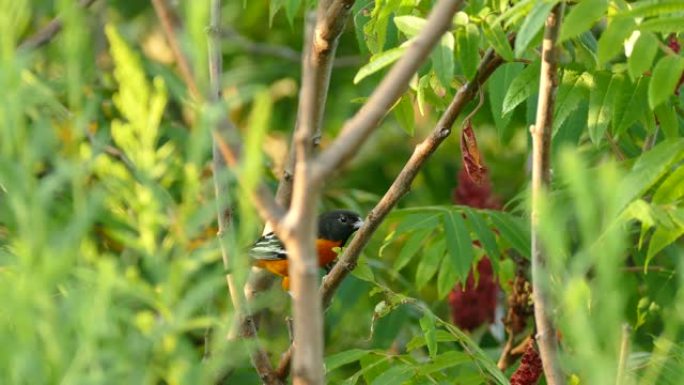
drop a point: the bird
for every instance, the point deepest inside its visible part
(334, 229)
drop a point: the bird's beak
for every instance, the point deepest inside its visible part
(357, 225)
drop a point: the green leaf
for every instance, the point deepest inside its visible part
(427, 324)
(587, 46)
(375, 30)
(423, 86)
(397, 374)
(429, 262)
(379, 62)
(648, 169)
(665, 78)
(446, 278)
(458, 243)
(513, 231)
(468, 49)
(661, 238)
(601, 99)
(411, 246)
(409, 25)
(364, 272)
(522, 87)
(513, 14)
(273, 8)
(671, 189)
(574, 88)
(496, 37)
(418, 221)
(667, 117)
(443, 59)
(581, 17)
(637, 105)
(655, 8)
(403, 111)
(613, 38)
(664, 25)
(334, 361)
(445, 360)
(499, 82)
(642, 55)
(485, 235)
(419, 340)
(291, 9)
(532, 25)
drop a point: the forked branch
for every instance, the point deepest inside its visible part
(399, 188)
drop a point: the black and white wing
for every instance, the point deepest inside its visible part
(268, 247)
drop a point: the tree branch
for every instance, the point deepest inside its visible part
(541, 176)
(331, 24)
(328, 29)
(221, 154)
(402, 183)
(280, 51)
(47, 33)
(357, 129)
(400, 186)
(170, 23)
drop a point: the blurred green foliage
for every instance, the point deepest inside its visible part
(109, 267)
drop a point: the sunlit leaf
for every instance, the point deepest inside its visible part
(665, 78)
(443, 59)
(468, 49)
(496, 37)
(601, 102)
(643, 53)
(581, 17)
(532, 25)
(522, 87)
(379, 62)
(611, 41)
(427, 324)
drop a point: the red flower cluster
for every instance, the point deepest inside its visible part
(673, 43)
(471, 194)
(475, 305)
(530, 368)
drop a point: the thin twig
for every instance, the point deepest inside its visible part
(615, 147)
(260, 359)
(170, 23)
(330, 25)
(398, 189)
(281, 51)
(541, 177)
(299, 230)
(359, 127)
(624, 355)
(328, 30)
(47, 33)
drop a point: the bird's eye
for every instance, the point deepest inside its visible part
(343, 219)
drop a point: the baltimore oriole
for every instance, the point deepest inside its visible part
(334, 228)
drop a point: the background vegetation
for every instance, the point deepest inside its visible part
(110, 271)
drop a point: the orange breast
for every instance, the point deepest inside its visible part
(325, 251)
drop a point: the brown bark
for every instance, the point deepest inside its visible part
(541, 176)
